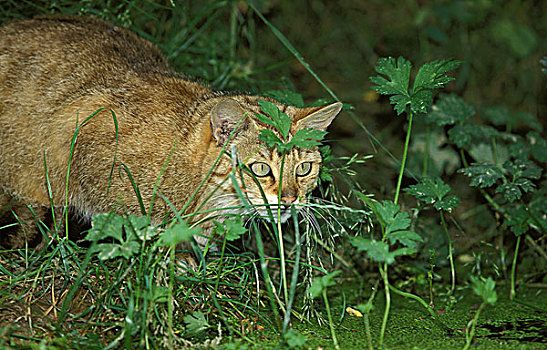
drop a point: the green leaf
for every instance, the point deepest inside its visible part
(432, 75)
(104, 226)
(195, 324)
(274, 117)
(421, 101)
(270, 138)
(520, 38)
(232, 228)
(294, 339)
(449, 109)
(114, 250)
(517, 220)
(483, 174)
(485, 288)
(138, 227)
(538, 146)
(319, 284)
(398, 73)
(180, 232)
(365, 308)
(386, 211)
(521, 172)
(523, 168)
(463, 135)
(306, 138)
(377, 250)
(448, 203)
(511, 191)
(433, 192)
(409, 239)
(399, 222)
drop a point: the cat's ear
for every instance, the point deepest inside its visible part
(321, 118)
(225, 116)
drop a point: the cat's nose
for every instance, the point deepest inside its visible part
(288, 199)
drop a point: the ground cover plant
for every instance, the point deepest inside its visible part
(429, 234)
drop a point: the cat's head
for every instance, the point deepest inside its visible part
(261, 177)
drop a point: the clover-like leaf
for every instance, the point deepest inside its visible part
(180, 232)
(394, 80)
(319, 284)
(114, 250)
(307, 138)
(463, 135)
(449, 109)
(274, 117)
(483, 174)
(104, 226)
(485, 288)
(522, 169)
(377, 250)
(398, 73)
(231, 228)
(294, 339)
(432, 75)
(195, 324)
(409, 239)
(433, 191)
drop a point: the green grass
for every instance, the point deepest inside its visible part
(484, 139)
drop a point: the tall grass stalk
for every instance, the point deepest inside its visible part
(513, 291)
(450, 254)
(280, 233)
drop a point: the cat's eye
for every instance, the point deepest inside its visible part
(261, 169)
(303, 169)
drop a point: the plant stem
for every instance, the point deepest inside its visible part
(414, 297)
(367, 311)
(294, 280)
(424, 304)
(470, 331)
(426, 151)
(514, 268)
(331, 324)
(450, 254)
(170, 299)
(280, 233)
(383, 273)
(266, 276)
(403, 161)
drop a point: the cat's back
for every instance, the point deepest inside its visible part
(62, 42)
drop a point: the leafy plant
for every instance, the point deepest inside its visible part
(484, 288)
(394, 226)
(434, 192)
(319, 288)
(394, 80)
(105, 226)
(303, 138)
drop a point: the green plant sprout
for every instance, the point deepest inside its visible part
(412, 101)
(304, 138)
(394, 225)
(394, 80)
(434, 192)
(484, 288)
(319, 288)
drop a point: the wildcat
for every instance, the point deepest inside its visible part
(150, 126)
